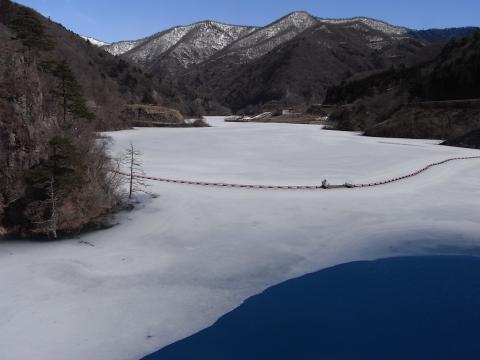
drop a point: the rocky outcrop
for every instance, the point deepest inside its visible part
(469, 140)
(152, 116)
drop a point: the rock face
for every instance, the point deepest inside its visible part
(152, 116)
(28, 121)
(469, 140)
(23, 122)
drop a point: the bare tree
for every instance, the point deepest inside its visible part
(49, 206)
(132, 160)
(52, 202)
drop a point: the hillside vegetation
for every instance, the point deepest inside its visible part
(437, 99)
(56, 91)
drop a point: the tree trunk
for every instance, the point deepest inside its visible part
(53, 209)
(131, 171)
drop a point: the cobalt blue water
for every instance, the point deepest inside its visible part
(401, 308)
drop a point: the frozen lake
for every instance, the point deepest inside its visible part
(416, 308)
(278, 153)
(174, 266)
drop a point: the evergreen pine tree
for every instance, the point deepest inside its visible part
(68, 91)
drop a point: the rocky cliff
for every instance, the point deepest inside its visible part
(56, 90)
(150, 116)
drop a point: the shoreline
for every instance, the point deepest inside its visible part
(390, 308)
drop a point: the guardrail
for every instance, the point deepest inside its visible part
(324, 186)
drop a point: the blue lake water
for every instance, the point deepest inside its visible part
(399, 308)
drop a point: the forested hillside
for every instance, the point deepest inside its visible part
(56, 90)
(436, 99)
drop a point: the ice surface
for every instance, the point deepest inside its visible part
(173, 266)
(279, 154)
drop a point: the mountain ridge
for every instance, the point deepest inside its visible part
(377, 24)
(298, 71)
(217, 66)
(128, 46)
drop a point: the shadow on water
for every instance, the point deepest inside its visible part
(401, 308)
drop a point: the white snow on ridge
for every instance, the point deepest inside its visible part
(195, 43)
(121, 47)
(189, 44)
(180, 261)
(159, 44)
(265, 39)
(372, 23)
(95, 41)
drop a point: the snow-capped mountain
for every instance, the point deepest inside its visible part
(292, 60)
(301, 69)
(94, 41)
(265, 39)
(180, 46)
(269, 37)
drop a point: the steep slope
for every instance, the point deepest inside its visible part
(95, 42)
(298, 71)
(107, 82)
(56, 89)
(265, 39)
(121, 47)
(437, 99)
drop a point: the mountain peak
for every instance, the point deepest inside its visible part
(300, 13)
(298, 17)
(264, 39)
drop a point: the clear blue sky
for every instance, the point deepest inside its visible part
(112, 20)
